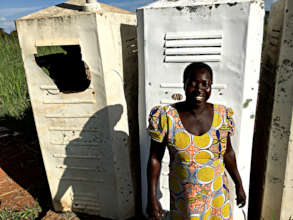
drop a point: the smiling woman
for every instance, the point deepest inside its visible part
(197, 134)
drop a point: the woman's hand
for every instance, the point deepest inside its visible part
(241, 197)
(230, 164)
(154, 210)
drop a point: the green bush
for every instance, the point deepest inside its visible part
(14, 99)
(24, 214)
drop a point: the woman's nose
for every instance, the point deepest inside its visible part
(200, 87)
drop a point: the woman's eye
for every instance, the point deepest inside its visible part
(192, 84)
(205, 84)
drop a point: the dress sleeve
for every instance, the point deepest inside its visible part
(157, 120)
(230, 121)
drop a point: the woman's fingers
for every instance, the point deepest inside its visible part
(157, 215)
(154, 210)
(241, 197)
(241, 203)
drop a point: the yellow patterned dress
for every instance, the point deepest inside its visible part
(197, 179)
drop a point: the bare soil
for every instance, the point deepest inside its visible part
(23, 181)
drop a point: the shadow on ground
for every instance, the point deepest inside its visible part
(21, 159)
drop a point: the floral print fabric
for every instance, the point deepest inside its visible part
(197, 179)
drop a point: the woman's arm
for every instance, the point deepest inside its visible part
(154, 209)
(231, 166)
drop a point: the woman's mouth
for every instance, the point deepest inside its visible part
(199, 98)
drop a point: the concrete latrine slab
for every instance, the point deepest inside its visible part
(83, 134)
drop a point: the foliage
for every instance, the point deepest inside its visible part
(13, 89)
(14, 98)
(24, 214)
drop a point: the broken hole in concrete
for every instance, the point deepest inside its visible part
(65, 66)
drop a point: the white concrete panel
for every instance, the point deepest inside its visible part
(277, 199)
(236, 28)
(84, 136)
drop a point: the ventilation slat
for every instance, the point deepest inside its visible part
(77, 156)
(76, 168)
(186, 47)
(82, 180)
(87, 203)
(193, 35)
(71, 116)
(73, 129)
(79, 144)
(193, 51)
(189, 59)
(167, 101)
(69, 101)
(194, 43)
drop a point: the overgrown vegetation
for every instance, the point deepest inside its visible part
(24, 214)
(13, 89)
(14, 98)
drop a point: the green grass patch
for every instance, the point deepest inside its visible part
(24, 214)
(14, 97)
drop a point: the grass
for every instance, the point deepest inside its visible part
(14, 98)
(24, 214)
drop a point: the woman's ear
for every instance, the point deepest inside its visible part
(184, 85)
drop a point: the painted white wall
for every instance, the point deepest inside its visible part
(236, 67)
(83, 136)
(277, 198)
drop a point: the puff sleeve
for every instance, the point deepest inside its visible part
(157, 121)
(230, 121)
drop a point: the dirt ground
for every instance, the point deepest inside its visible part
(23, 182)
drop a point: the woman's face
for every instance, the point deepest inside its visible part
(198, 86)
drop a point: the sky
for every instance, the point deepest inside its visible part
(13, 9)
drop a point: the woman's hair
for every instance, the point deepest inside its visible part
(195, 66)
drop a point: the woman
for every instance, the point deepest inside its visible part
(197, 134)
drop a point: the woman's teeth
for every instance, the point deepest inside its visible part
(199, 98)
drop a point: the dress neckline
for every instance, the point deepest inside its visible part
(176, 111)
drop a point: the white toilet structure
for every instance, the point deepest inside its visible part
(277, 201)
(80, 110)
(225, 34)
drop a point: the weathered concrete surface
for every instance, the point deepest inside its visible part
(264, 111)
(84, 136)
(73, 7)
(277, 198)
(236, 26)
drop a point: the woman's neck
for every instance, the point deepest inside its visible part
(194, 109)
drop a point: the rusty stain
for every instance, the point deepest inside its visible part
(177, 96)
(246, 103)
